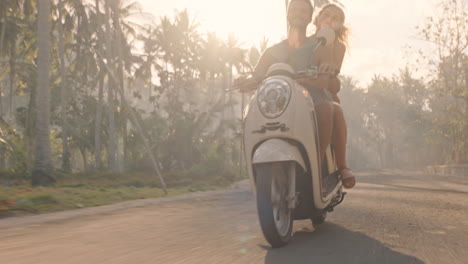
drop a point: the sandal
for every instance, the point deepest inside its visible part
(347, 178)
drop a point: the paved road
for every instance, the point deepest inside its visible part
(389, 217)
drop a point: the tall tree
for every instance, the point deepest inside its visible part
(113, 139)
(43, 169)
(100, 106)
(448, 62)
(63, 89)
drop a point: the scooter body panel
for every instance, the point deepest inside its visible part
(297, 124)
(277, 150)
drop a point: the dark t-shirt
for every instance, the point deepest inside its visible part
(300, 58)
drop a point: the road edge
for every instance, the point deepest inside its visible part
(53, 217)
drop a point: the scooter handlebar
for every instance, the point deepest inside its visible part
(249, 84)
(244, 85)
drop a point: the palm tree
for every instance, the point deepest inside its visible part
(13, 21)
(99, 110)
(43, 169)
(5, 9)
(118, 59)
(124, 55)
(179, 51)
(211, 63)
(112, 140)
(76, 68)
(147, 63)
(63, 90)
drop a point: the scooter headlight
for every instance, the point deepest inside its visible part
(273, 97)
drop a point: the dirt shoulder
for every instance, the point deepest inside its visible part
(33, 219)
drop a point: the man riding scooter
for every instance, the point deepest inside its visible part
(301, 53)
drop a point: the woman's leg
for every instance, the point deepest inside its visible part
(339, 140)
(339, 136)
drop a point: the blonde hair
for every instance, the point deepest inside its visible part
(341, 33)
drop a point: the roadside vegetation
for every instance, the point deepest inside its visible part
(71, 191)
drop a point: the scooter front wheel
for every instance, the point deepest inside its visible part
(276, 220)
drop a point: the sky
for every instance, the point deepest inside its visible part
(381, 30)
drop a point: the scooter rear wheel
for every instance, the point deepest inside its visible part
(276, 219)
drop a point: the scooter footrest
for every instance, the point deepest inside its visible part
(336, 202)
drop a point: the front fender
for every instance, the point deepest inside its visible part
(276, 150)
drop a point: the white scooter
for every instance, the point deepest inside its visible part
(282, 153)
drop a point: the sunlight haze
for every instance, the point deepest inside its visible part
(381, 30)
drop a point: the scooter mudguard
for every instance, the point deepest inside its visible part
(276, 150)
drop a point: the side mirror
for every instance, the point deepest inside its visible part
(326, 36)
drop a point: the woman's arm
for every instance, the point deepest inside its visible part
(323, 56)
(334, 84)
(339, 50)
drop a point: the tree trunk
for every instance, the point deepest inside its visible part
(123, 164)
(112, 147)
(465, 139)
(99, 110)
(12, 63)
(223, 130)
(112, 144)
(85, 159)
(30, 127)
(2, 38)
(63, 94)
(97, 126)
(134, 118)
(43, 170)
(121, 85)
(232, 116)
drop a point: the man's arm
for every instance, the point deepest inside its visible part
(260, 70)
(263, 64)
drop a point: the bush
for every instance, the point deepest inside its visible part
(9, 178)
(43, 199)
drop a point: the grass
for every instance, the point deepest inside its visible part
(86, 190)
(48, 199)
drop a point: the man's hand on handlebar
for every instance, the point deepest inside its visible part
(305, 81)
(244, 84)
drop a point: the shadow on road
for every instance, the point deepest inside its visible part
(334, 244)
